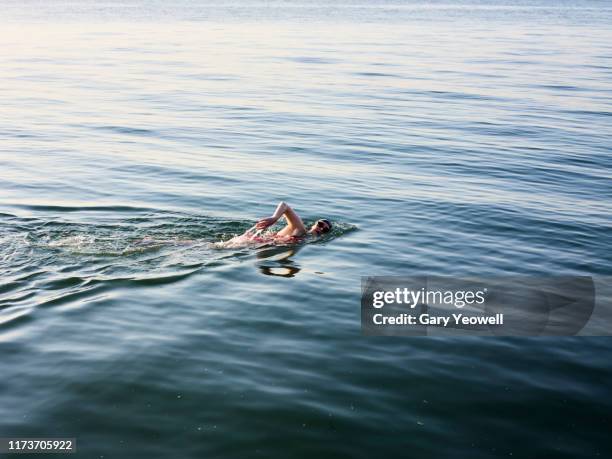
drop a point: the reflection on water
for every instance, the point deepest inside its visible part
(278, 261)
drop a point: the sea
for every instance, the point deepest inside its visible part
(448, 138)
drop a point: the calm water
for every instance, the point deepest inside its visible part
(442, 138)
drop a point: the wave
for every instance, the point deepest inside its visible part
(66, 258)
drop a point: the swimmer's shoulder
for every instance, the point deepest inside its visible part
(290, 239)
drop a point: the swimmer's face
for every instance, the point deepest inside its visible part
(321, 227)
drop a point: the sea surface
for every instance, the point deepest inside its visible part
(448, 138)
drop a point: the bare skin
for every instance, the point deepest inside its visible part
(294, 228)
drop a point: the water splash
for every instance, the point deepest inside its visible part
(62, 253)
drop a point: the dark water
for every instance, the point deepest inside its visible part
(440, 138)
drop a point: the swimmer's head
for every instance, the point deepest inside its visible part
(321, 227)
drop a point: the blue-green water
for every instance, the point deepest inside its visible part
(446, 138)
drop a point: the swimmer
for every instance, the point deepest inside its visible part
(295, 228)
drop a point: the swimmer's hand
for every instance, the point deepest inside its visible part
(265, 222)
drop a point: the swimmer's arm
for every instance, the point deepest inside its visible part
(295, 226)
(293, 219)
